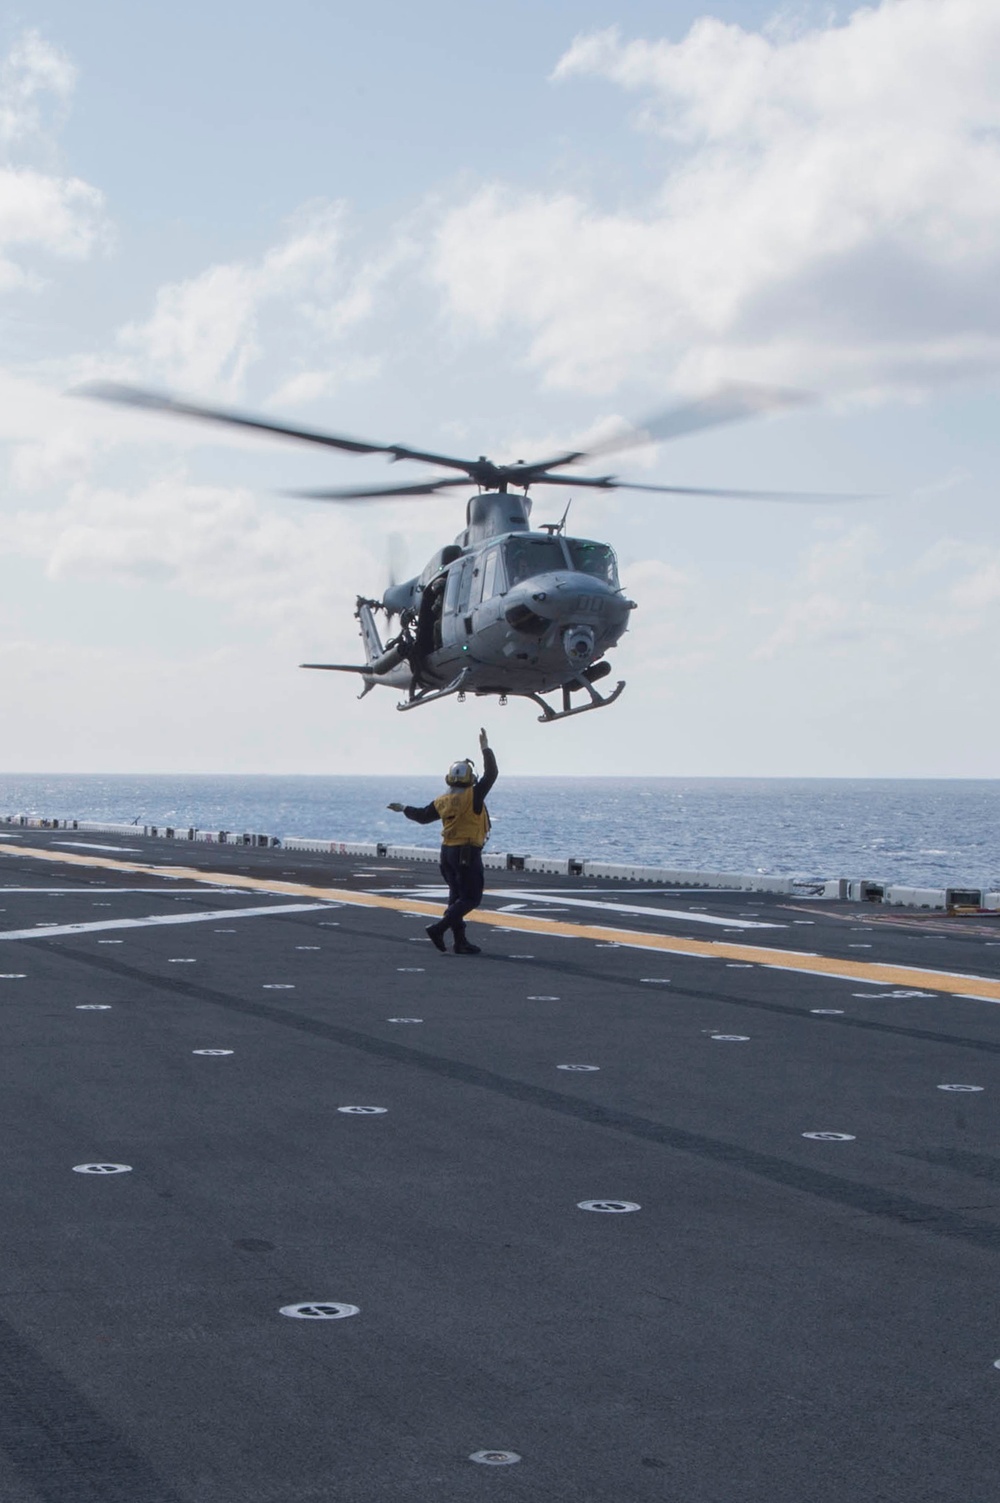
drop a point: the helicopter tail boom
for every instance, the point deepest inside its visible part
(384, 665)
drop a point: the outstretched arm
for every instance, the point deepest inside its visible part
(425, 816)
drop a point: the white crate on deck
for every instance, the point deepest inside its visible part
(916, 897)
(329, 847)
(94, 827)
(413, 853)
(555, 865)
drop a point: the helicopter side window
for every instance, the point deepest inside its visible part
(467, 585)
(526, 557)
(596, 559)
(492, 575)
(453, 587)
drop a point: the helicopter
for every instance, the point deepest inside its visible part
(507, 609)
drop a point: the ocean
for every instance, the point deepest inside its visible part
(923, 832)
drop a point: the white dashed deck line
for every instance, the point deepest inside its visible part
(89, 845)
(557, 899)
(115, 892)
(56, 931)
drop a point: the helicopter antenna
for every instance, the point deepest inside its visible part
(555, 528)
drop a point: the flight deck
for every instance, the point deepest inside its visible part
(669, 1194)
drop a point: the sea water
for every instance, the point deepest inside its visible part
(923, 832)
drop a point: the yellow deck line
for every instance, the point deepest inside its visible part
(911, 977)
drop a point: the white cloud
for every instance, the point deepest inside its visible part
(216, 543)
(829, 209)
(40, 211)
(59, 216)
(205, 333)
(32, 75)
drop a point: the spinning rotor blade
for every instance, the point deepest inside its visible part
(608, 483)
(381, 493)
(729, 404)
(152, 401)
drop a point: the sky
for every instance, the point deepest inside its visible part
(494, 229)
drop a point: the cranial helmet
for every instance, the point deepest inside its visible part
(460, 775)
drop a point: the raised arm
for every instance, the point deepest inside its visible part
(489, 776)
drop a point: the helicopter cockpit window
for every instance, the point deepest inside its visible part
(594, 558)
(526, 557)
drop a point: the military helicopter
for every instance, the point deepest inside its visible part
(507, 609)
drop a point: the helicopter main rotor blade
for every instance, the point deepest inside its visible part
(729, 404)
(153, 401)
(732, 495)
(381, 493)
(609, 483)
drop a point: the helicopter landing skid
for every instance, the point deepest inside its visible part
(428, 697)
(597, 701)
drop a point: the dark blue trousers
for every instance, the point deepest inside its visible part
(462, 869)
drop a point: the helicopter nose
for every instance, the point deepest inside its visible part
(578, 644)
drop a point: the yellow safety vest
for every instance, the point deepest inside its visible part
(462, 825)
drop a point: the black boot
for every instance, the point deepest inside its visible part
(462, 946)
(435, 934)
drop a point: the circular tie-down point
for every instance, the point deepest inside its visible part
(363, 1111)
(611, 1207)
(961, 1088)
(93, 1007)
(578, 1067)
(320, 1310)
(732, 1038)
(830, 1137)
(404, 1020)
(543, 999)
(217, 1052)
(102, 1168)
(495, 1458)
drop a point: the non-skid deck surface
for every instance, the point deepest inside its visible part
(801, 1309)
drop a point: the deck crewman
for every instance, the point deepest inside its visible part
(462, 812)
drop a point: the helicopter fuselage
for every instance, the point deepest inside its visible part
(510, 610)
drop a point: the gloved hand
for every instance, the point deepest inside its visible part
(396, 808)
